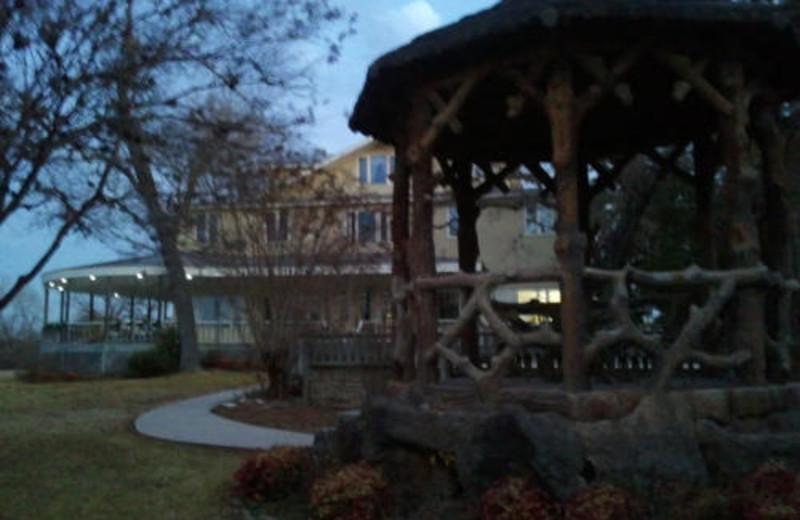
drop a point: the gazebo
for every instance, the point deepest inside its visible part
(585, 85)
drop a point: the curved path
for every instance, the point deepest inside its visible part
(191, 421)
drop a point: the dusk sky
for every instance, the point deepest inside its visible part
(382, 26)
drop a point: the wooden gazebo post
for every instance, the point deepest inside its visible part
(564, 115)
(742, 233)
(402, 336)
(420, 252)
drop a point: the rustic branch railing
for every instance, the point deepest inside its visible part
(668, 354)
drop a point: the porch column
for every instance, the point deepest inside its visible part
(106, 315)
(66, 315)
(421, 253)
(564, 116)
(46, 304)
(91, 306)
(131, 316)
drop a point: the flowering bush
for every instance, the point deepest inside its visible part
(272, 474)
(770, 493)
(601, 502)
(355, 492)
(516, 498)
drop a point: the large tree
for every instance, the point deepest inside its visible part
(144, 68)
(51, 59)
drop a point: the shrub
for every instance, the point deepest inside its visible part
(219, 361)
(516, 498)
(769, 493)
(600, 502)
(162, 359)
(272, 474)
(355, 492)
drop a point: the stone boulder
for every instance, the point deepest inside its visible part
(653, 445)
(517, 442)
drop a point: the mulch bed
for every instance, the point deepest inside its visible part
(283, 415)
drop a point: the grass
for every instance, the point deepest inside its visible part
(67, 450)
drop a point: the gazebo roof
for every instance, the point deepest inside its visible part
(519, 27)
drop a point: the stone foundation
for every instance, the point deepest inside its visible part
(639, 441)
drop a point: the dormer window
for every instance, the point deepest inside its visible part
(375, 169)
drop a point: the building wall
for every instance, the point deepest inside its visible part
(505, 242)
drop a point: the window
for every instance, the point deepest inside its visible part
(539, 219)
(448, 304)
(375, 169)
(452, 222)
(206, 228)
(277, 225)
(552, 296)
(369, 226)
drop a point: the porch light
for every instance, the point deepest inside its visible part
(60, 289)
(188, 276)
(140, 276)
(116, 295)
(51, 284)
(92, 278)
(63, 280)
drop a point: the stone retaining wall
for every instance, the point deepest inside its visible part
(345, 386)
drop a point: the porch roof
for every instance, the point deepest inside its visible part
(144, 275)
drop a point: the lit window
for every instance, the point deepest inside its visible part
(452, 222)
(550, 296)
(539, 219)
(277, 225)
(375, 169)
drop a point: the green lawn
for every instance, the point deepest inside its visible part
(68, 450)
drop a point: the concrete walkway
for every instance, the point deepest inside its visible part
(192, 422)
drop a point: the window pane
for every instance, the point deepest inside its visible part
(452, 221)
(213, 228)
(531, 226)
(269, 222)
(200, 228)
(283, 225)
(384, 227)
(448, 304)
(366, 226)
(379, 166)
(546, 217)
(205, 308)
(539, 219)
(362, 170)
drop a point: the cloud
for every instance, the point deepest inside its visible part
(415, 17)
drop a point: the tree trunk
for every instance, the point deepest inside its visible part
(141, 178)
